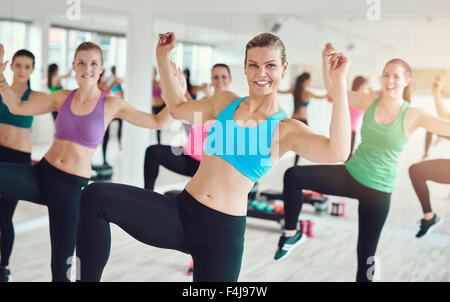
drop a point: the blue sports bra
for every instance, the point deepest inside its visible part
(246, 149)
(22, 121)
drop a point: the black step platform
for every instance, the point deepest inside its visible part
(102, 173)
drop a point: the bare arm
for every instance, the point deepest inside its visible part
(430, 122)
(67, 75)
(309, 145)
(38, 102)
(139, 118)
(336, 148)
(445, 94)
(315, 96)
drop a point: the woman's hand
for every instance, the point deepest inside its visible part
(2, 54)
(338, 66)
(165, 45)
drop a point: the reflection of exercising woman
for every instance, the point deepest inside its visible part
(56, 181)
(302, 98)
(437, 170)
(207, 220)
(369, 175)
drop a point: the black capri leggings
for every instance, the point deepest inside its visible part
(8, 205)
(60, 192)
(335, 180)
(437, 170)
(214, 239)
(157, 155)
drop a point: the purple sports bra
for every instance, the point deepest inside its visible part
(86, 130)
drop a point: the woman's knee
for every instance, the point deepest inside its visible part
(292, 176)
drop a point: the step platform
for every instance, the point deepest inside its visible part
(318, 200)
(102, 173)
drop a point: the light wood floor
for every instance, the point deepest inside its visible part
(330, 256)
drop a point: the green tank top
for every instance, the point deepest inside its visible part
(55, 88)
(374, 163)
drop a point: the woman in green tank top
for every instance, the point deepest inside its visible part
(54, 81)
(370, 174)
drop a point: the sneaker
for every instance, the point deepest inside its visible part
(427, 225)
(5, 274)
(287, 244)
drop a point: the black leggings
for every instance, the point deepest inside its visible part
(156, 110)
(157, 155)
(60, 192)
(8, 205)
(106, 138)
(335, 180)
(437, 170)
(297, 157)
(214, 239)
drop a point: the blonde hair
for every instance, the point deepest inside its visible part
(87, 46)
(408, 72)
(264, 40)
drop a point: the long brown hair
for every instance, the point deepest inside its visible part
(408, 72)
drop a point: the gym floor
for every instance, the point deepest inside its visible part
(329, 256)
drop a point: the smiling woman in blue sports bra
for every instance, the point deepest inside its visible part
(56, 181)
(249, 135)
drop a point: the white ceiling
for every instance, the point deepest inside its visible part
(416, 30)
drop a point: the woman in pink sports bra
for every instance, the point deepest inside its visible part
(57, 180)
(184, 160)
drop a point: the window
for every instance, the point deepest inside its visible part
(14, 36)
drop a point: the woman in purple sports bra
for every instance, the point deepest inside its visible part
(57, 180)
